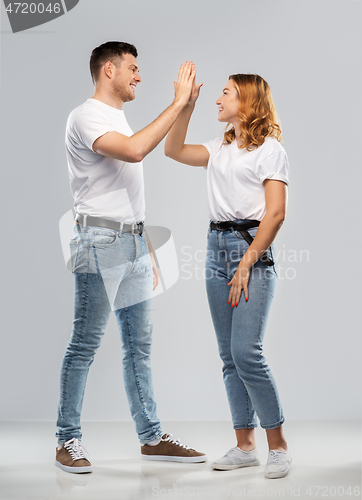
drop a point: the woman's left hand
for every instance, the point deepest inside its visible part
(238, 283)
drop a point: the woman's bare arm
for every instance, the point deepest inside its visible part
(276, 203)
(175, 147)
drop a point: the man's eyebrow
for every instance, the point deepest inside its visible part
(225, 89)
(134, 66)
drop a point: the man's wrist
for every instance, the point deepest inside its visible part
(178, 104)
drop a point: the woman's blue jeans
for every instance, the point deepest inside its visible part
(112, 271)
(240, 330)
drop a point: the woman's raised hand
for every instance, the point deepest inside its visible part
(195, 92)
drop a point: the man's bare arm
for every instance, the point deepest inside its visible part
(133, 149)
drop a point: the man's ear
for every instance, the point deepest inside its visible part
(108, 69)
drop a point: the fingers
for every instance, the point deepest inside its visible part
(246, 293)
(236, 291)
(196, 89)
(185, 71)
(234, 294)
(186, 90)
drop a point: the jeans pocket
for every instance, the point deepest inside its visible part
(104, 238)
(143, 264)
(238, 235)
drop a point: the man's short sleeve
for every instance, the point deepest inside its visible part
(88, 128)
(275, 166)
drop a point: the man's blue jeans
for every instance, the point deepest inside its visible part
(250, 386)
(112, 271)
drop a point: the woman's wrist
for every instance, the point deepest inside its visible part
(245, 264)
(190, 106)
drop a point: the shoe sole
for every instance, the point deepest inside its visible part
(277, 475)
(167, 458)
(74, 470)
(216, 466)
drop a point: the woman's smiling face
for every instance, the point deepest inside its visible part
(228, 103)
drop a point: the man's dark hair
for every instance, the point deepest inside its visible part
(108, 51)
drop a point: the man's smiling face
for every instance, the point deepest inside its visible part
(126, 78)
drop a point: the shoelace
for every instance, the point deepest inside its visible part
(274, 457)
(75, 449)
(171, 439)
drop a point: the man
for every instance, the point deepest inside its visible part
(112, 265)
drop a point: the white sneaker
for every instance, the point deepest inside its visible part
(236, 458)
(278, 464)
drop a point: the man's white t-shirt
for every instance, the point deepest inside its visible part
(235, 178)
(102, 186)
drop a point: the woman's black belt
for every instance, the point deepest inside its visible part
(243, 229)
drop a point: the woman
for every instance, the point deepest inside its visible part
(247, 178)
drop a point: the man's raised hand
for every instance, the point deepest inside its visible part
(185, 83)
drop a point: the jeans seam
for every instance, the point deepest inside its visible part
(139, 390)
(245, 426)
(263, 367)
(274, 426)
(135, 258)
(262, 305)
(81, 336)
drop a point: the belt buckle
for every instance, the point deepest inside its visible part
(132, 230)
(218, 227)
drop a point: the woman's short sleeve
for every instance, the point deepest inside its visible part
(275, 166)
(213, 146)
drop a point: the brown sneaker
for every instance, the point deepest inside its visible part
(71, 458)
(170, 449)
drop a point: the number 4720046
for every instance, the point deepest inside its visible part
(33, 8)
(333, 491)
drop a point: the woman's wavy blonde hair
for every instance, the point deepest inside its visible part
(258, 117)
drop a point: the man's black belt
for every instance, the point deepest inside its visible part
(88, 220)
(243, 229)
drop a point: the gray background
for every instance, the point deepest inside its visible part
(309, 52)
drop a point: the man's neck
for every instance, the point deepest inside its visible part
(109, 99)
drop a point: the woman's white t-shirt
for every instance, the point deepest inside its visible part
(235, 178)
